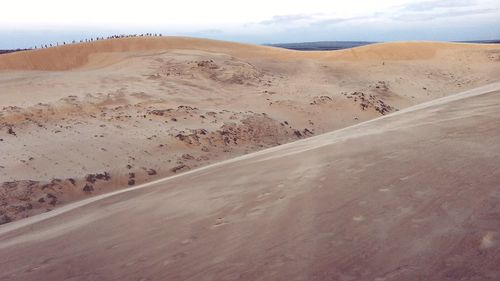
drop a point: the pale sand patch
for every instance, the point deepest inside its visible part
(488, 240)
(358, 218)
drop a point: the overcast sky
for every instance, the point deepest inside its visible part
(27, 23)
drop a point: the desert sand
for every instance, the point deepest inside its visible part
(408, 196)
(171, 158)
(85, 119)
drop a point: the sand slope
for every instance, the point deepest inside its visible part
(73, 56)
(413, 195)
(81, 120)
(77, 55)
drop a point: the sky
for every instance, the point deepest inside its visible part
(28, 23)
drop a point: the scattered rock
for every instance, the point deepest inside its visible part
(53, 199)
(91, 178)
(88, 188)
(187, 156)
(318, 100)
(307, 132)
(370, 101)
(178, 168)
(105, 176)
(11, 131)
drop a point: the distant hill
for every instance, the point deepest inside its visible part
(11, 51)
(481, 41)
(321, 45)
(338, 45)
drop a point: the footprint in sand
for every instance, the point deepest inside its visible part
(219, 222)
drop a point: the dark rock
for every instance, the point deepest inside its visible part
(177, 168)
(88, 188)
(53, 199)
(307, 132)
(91, 178)
(11, 131)
(187, 156)
(104, 176)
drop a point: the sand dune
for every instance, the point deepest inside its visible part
(411, 195)
(128, 111)
(77, 55)
(73, 56)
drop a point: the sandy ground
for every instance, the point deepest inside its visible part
(409, 196)
(81, 120)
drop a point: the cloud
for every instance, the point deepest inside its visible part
(288, 19)
(425, 16)
(414, 20)
(333, 21)
(426, 6)
(414, 11)
(429, 10)
(304, 20)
